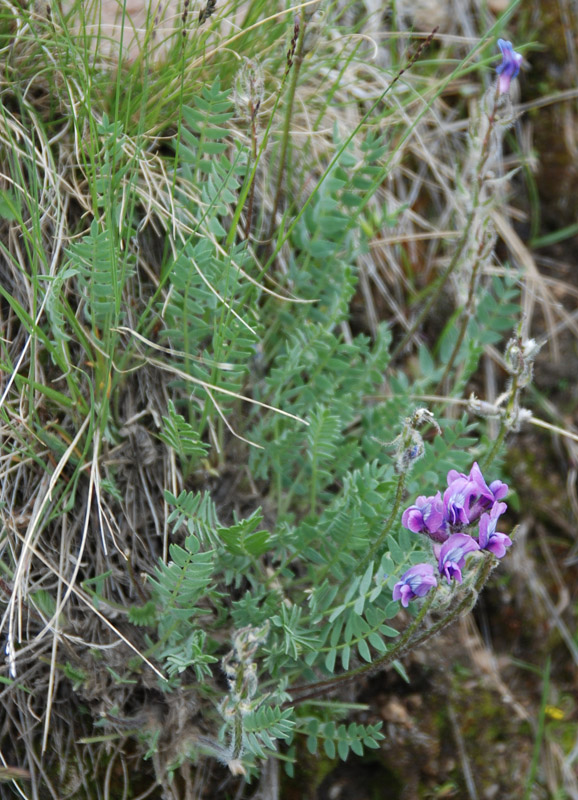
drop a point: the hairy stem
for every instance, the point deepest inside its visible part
(466, 317)
(478, 184)
(504, 426)
(254, 110)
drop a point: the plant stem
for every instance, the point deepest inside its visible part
(321, 687)
(504, 426)
(475, 198)
(287, 126)
(254, 110)
(438, 287)
(466, 317)
(407, 640)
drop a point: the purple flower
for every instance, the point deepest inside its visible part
(509, 67)
(487, 495)
(495, 491)
(457, 499)
(426, 515)
(452, 555)
(416, 582)
(489, 538)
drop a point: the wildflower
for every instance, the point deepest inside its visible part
(488, 495)
(509, 67)
(495, 491)
(489, 538)
(416, 582)
(457, 499)
(426, 515)
(452, 555)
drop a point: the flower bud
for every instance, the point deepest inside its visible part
(409, 445)
(249, 88)
(519, 356)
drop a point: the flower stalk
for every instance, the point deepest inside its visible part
(294, 60)
(495, 116)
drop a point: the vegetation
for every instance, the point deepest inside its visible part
(259, 290)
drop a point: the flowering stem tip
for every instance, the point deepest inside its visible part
(509, 67)
(450, 522)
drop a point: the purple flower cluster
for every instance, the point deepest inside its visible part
(467, 501)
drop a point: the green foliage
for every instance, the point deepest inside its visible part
(92, 258)
(311, 589)
(183, 652)
(340, 740)
(182, 436)
(243, 538)
(297, 583)
(198, 512)
(204, 319)
(143, 615)
(263, 726)
(182, 582)
(75, 675)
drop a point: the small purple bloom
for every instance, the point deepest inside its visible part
(416, 582)
(509, 67)
(452, 555)
(483, 489)
(457, 499)
(489, 538)
(426, 515)
(487, 495)
(454, 475)
(498, 489)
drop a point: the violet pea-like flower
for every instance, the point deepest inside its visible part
(416, 582)
(452, 555)
(495, 491)
(489, 538)
(425, 516)
(457, 499)
(509, 67)
(487, 495)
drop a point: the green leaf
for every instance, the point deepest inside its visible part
(329, 747)
(10, 208)
(330, 660)
(366, 579)
(182, 436)
(242, 538)
(143, 615)
(343, 749)
(363, 650)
